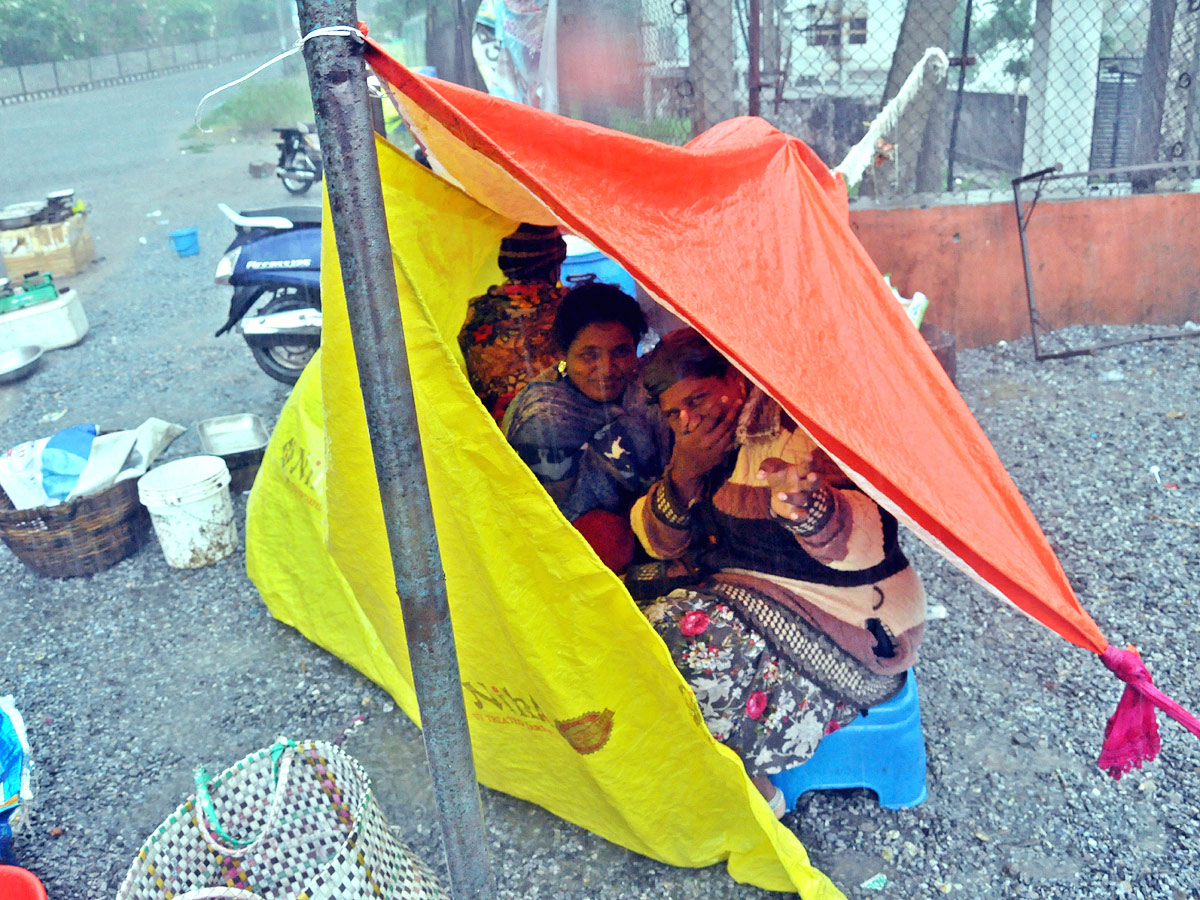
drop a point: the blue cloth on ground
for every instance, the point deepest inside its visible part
(63, 459)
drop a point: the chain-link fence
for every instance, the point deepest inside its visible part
(1085, 84)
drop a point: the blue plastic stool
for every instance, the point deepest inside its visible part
(883, 750)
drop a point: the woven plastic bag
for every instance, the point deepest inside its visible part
(292, 820)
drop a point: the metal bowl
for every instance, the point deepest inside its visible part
(19, 215)
(18, 363)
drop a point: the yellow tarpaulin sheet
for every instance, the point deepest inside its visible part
(572, 700)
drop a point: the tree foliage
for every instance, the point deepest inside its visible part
(388, 18)
(33, 31)
(1005, 26)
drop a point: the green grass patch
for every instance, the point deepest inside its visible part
(256, 107)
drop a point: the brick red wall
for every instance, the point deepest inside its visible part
(1112, 260)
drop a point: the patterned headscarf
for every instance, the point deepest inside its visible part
(531, 252)
(681, 354)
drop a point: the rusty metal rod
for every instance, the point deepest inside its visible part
(754, 52)
(958, 97)
(337, 80)
(1022, 221)
(1054, 173)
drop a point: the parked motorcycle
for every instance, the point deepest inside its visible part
(300, 162)
(275, 261)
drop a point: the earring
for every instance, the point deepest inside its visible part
(562, 367)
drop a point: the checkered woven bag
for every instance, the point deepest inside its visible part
(291, 821)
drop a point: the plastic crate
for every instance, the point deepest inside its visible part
(33, 289)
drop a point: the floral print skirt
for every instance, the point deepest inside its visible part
(752, 700)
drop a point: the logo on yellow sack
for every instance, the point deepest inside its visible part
(499, 706)
(303, 470)
(588, 733)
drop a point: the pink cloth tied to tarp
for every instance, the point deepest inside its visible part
(1131, 736)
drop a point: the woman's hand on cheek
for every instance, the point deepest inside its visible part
(702, 441)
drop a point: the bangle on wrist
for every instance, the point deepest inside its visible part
(819, 510)
(666, 505)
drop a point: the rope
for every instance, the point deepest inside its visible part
(936, 64)
(282, 753)
(328, 31)
(1128, 666)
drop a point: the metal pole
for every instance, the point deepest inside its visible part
(958, 98)
(1021, 223)
(338, 84)
(754, 51)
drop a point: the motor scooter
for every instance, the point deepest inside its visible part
(301, 164)
(275, 258)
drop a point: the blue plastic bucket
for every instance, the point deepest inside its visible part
(186, 241)
(583, 259)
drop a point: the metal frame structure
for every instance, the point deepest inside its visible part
(1037, 324)
(962, 61)
(337, 80)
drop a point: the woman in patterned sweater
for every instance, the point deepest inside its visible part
(811, 612)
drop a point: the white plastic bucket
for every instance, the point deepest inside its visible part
(191, 510)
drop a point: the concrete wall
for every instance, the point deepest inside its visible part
(1116, 260)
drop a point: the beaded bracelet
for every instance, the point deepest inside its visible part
(819, 509)
(665, 506)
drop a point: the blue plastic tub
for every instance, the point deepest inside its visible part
(186, 241)
(587, 260)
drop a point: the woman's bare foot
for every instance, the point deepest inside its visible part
(763, 783)
(773, 795)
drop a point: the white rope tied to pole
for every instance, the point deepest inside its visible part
(328, 31)
(934, 64)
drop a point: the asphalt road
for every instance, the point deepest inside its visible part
(125, 152)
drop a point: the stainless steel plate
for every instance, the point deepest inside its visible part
(18, 363)
(18, 215)
(232, 434)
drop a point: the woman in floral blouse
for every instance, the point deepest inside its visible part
(506, 338)
(810, 613)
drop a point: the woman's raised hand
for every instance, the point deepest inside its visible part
(792, 487)
(702, 441)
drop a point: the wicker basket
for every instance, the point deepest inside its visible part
(79, 537)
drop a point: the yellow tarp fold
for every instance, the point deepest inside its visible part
(572, 700)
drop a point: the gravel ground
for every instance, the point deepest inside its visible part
(131, 678)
